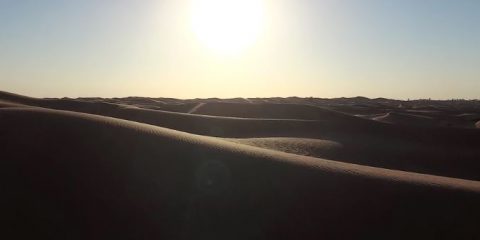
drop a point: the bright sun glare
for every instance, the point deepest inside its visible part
(227, 26)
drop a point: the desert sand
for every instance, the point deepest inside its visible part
(278, 168)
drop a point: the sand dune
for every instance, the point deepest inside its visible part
(268, 110)
(145, 184)
(302, 146)
(407, 119)
(427, 119)
(93, 176)
(423, 150)
(415, 156)
(4, 104)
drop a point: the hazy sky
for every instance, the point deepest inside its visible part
(320, 48)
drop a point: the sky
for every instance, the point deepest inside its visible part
(271, 48)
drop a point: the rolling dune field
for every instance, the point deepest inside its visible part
(292, 168)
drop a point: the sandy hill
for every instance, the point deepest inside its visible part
(103, 170)
(269, 110)
(407, 119)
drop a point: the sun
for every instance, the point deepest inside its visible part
(227, 26)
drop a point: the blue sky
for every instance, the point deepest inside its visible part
(374, 48)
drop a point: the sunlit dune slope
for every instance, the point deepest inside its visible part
(302, 146)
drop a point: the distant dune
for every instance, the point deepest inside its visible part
(4, 104)
(407, 119)
(269, 110)
(258, 169)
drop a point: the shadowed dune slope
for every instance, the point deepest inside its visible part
(61, 104)
(220, 126)
(270, 110)
(438, 151)
(198, 124)
(4, 104)
(416, 156)
(154, 104)
(427, 119)
(407, 119)
(72, 174)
